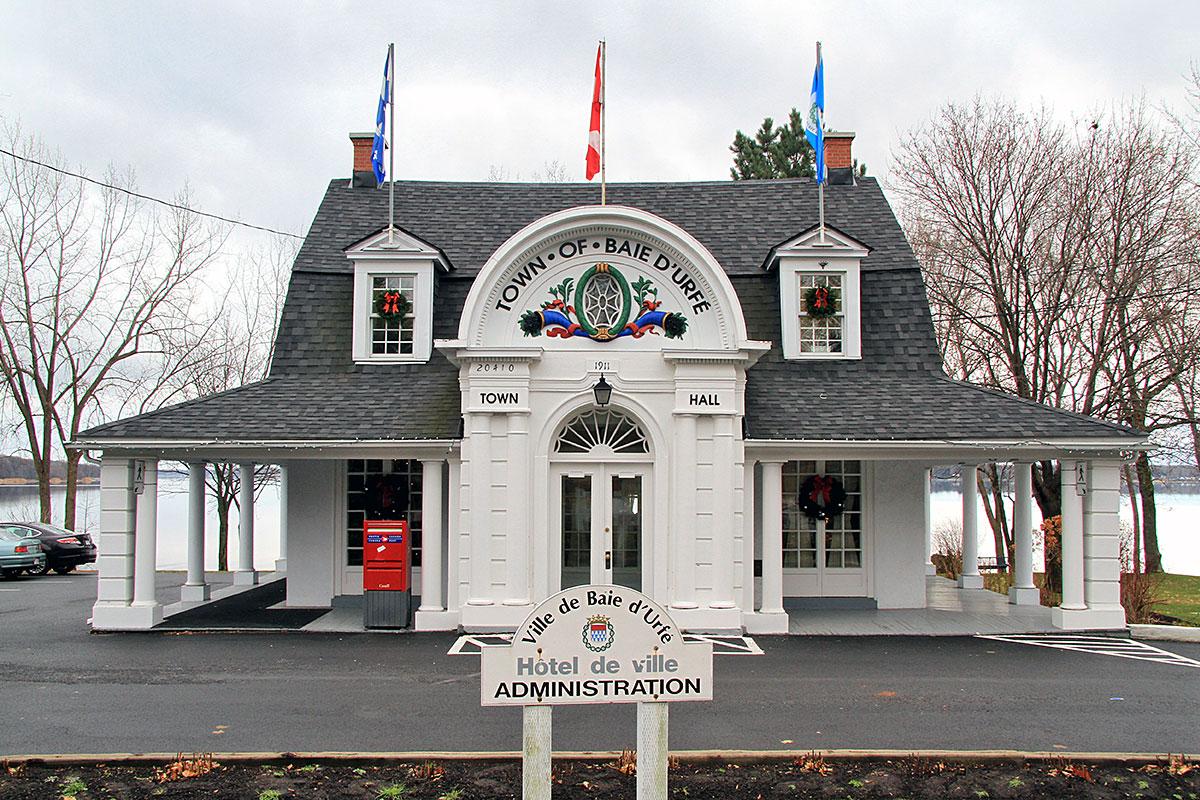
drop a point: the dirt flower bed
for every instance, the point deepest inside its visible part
(810, 776)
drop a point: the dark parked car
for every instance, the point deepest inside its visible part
(20, 550)
(65, 550)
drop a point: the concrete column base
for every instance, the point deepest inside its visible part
(1024, 595)
(930, 569)
(108, 616)
(435, 620)
(1078, 619)
(281, 565)
(245, 577)
(1105, 617)
(726, 621)
(195, 593)
(766, 622)
(970, 581)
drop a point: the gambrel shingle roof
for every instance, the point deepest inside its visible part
(896, 391)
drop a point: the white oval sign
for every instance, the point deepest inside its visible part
(596, 644)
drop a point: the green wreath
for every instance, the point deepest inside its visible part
(821, 301)
(391, 304)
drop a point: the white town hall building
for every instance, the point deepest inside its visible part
(691, 391)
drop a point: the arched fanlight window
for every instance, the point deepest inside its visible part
(601, 428)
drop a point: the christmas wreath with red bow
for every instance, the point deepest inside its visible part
(391, 304)
(821, 301)
(822, 497)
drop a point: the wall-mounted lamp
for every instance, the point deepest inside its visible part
(602, 391)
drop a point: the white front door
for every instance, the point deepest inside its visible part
(600, 513)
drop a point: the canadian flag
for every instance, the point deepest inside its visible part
(593, 148)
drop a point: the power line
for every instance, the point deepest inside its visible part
(141, 196)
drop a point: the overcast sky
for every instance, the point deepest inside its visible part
(251, 103)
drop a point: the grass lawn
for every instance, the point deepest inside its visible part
(1180, 597)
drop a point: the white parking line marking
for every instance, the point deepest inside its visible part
(1098, 645)
(472, 644)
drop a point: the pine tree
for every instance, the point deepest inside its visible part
(776, 152)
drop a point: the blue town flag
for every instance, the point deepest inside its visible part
(378, 145)
(814, 125)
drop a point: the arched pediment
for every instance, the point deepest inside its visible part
(603, 279)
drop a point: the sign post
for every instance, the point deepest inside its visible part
(596, 644)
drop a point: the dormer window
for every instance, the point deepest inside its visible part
(393, 298)
(392, 332)
(819, 296)
(821, 333)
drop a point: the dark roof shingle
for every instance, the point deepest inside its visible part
(896, 391)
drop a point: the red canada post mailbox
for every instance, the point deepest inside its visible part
(387, 599)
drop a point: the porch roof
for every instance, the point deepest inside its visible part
(884, 414)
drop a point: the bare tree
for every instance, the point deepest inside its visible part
(1060, 268)
(93, 281)
(984, 205)
(1144, 335)
(232, 348)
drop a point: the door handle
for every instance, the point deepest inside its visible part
(608, 559)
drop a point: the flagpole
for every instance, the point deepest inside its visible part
(603, 116)
(821, 178)
(391, 141)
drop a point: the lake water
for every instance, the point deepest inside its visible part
(1178, 523)
(21, 503)
(1178, 527)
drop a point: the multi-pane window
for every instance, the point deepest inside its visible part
(393, 336)
(837, 542)
(821, 334)
(382, 490)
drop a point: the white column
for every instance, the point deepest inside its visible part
(145, 607)
(772, 529)
(431, 536)
(114, 589)
(1101, 545)
(930, 569)
(479, 480)
(1072, 610)
(970, 577)
(516, 529)
(749, 500)
(683, 524)
(453, 530)
(1023, 592)
(723, 459)
(196, 588)
(281, 562)
(245, 575)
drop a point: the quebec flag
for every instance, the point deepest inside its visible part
(814, 125)
(377, 147)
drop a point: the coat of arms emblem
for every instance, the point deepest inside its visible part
(598, 633)
(603, 307)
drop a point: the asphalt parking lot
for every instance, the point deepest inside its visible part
(65, 690)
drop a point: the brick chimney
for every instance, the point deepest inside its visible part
(363, 174)
(839, 163)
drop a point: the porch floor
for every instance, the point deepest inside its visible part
(949, 611)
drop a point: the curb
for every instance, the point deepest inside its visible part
(1165, 633)
(683, 756)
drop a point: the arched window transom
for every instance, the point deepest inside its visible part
(601, 428)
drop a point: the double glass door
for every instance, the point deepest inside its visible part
(602, 519)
